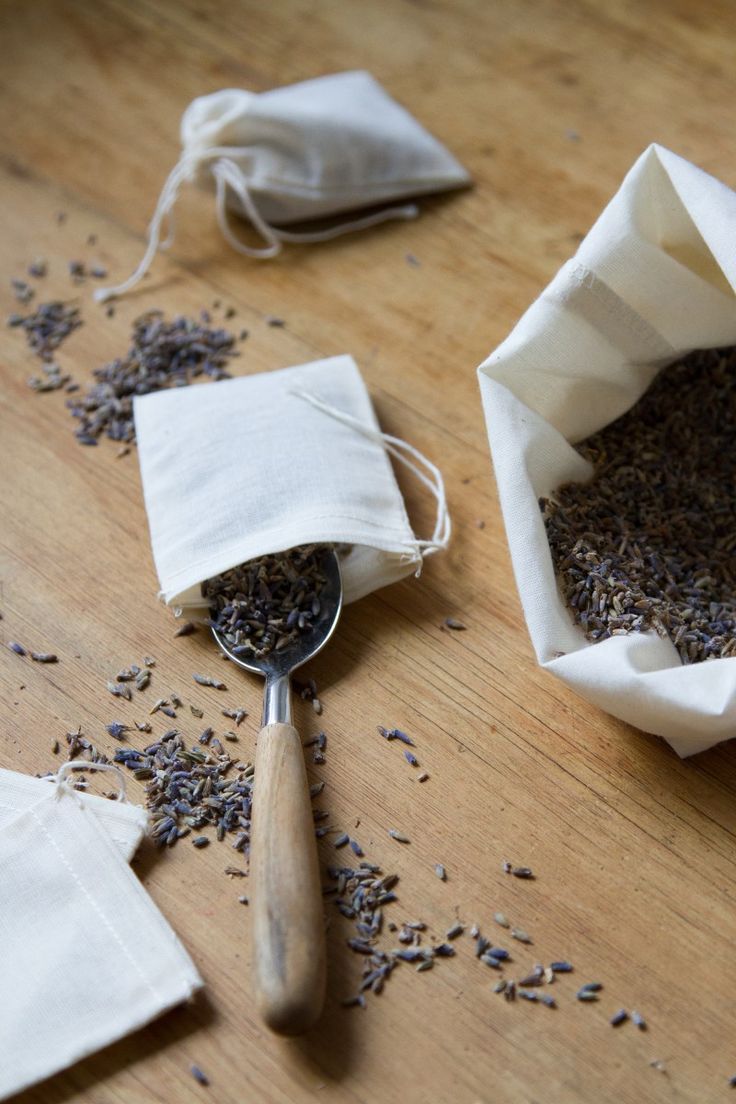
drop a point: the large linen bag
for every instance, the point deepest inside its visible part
(653, 280)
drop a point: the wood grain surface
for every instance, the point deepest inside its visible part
(547, 103)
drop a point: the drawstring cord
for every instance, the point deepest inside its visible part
(63, 786)
(401, 450)
(228, 174)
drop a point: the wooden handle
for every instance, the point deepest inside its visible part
(286, 897)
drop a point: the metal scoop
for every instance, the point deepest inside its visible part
(286, 897)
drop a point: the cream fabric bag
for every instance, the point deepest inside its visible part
(653, 280)
(310, 150)
(87, 956)
(255, 465)
(124, 822)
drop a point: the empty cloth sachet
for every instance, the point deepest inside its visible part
(251, 466)
(653, 280)
(311, 150)
(87, 956)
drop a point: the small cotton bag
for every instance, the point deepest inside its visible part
(256, 465)
(653, 280)
(87, 956)
(311, 150)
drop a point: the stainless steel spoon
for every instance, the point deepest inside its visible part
(286, 897)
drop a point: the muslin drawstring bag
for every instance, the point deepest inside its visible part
(87, 956)
(124, 822)
(310, 150)
(260, 464)
(653, 280)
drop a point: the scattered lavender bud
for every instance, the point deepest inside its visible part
(200, 1077)
(116, 729)
(521, 872)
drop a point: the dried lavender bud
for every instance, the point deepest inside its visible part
(440, 872)
(561, 967)
(453, 623)
(120, 690)
(397, 734)
(411, 759)
(520, 935)
(521, 872)
(200, 1077)
(22, 291)
(618, 1017)
(116, 729)
(236, 715)
(186, 629)
(16, 647)
(205, 680)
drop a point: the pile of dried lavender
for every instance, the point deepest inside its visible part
(162, 354)
(188, 788)
(267, 603)
(48, 326)
(650, 541)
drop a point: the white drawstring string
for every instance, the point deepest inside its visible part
(398, 448)
(228, 174)
(63, 786)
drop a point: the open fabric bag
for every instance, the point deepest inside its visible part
(653, 280)
(251, 466)
(87, 956)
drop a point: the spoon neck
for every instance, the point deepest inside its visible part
(277, 700)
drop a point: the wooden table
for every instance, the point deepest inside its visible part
(547, 103)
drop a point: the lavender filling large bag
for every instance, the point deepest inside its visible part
(653, 280)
